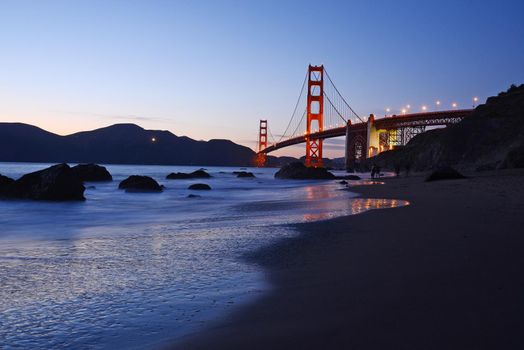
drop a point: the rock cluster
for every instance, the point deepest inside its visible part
(56, 183)
(198, 174)
(299, 171)
(244, 174)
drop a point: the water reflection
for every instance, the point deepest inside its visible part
(359, 205)
(366, 183)
(318, 192)
(324, 210)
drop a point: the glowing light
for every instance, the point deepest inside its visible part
(454, 105)
(403, 111)
(153, 139)
(408, 106)
(388, 110)
(475, 99)
(424, 108)
(437, 103)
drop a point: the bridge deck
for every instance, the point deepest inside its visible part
(393, 122)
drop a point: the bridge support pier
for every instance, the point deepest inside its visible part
(260, 158)
(348, 158)
(315, 113)
(373, 139)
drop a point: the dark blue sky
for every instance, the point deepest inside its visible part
(211, 69)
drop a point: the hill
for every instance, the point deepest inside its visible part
(492, 137)
(116, 144)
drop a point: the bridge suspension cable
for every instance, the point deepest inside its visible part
(295, 109)
(338, 101)
(271, 134)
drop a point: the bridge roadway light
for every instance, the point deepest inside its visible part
(475, 100)
(454, 105)
(403, 111)
(424, 108)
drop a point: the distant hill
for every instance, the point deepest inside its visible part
(116, 144)
(492, 137)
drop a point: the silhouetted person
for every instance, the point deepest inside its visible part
(397, 170)
(408, 168)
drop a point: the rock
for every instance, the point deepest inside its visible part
(486, 167)
(245, 174)
(199, 187)
(198, 174)
(445, 173)
(299, 171)
(91, 172)
(514, 158)
(5, 181)
(56, 183)
(343, 182)
(193, 196)
(137, 183)
(348, 177)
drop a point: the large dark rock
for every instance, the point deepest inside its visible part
(56, 183)
(445, 173)
(137, 183)
(198, 174)
(5, 181)
(245, 174)
(299, 171)
(199, 187)
(91, 172)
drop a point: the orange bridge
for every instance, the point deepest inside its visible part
(327, 115)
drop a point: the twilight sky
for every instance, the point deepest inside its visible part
(212, 69)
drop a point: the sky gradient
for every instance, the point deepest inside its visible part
(212, 69)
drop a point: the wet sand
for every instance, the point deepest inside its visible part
(446, 272)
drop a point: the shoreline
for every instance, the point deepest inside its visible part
(442, 272)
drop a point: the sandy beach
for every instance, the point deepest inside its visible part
(444, 272)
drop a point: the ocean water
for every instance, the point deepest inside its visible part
(136, 270)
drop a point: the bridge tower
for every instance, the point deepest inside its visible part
(260, 160)
(315, 113)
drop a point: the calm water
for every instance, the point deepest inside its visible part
(136, 270)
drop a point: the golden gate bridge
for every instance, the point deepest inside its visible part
(327, 114)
